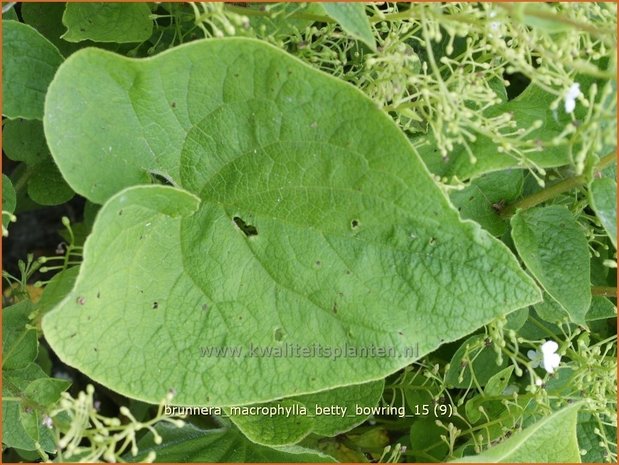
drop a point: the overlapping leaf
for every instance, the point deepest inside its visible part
(550, 241)
(551, 439)
(29, 62)
(107, 22)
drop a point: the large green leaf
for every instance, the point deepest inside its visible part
(316, 226)
(29, 62)
(107, 22)
(191, 444)
(326, 413)
(554, 248)
(352, 18)
(550, 440)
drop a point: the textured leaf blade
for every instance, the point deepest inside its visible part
(107, 22)
(484, 197)
(191, 444)
(318, 225)
(552, 439)
(603, 193)
(29, 62)
(352, 18)
(289, 429)
(554, 248)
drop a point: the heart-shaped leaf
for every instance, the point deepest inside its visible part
(312, 227)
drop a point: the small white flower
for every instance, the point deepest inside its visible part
(570, 97)
(47, 421)
(546, 356)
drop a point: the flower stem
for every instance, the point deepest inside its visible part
(556, 189)
(604, 291)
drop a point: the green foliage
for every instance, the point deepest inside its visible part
(264, 194)
(429, 185)
(281, 430)
(352, 18)
(107, 22)
(9, 202)
(24, 141)
(550, 241)
(47, 19)
(27, 392)
(29, 62)
(191, 444)
(552, 439)
(603, 193)
(484, 197)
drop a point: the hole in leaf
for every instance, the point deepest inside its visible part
(155, 305)
(278, 334)
(160, 178)
(247, 229)
(354, 224)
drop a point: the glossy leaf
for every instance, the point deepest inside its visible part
(282, 429)
(191, 444)
(328, 229)
(554, 248)
(107, 22)
(29, 62)
(551, 439)
(353, 20)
